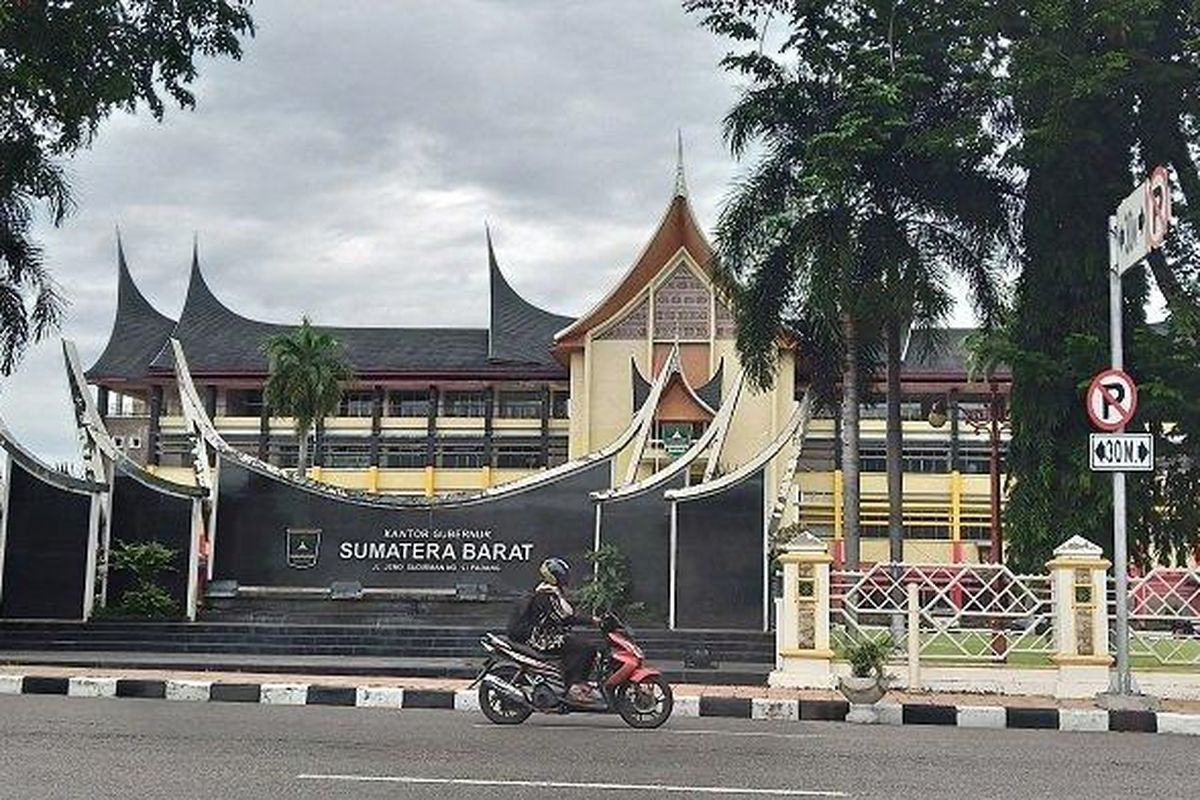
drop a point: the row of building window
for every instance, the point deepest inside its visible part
(450, 453)
(931, 458)
(509, 404)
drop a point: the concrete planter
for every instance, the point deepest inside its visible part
(863, 691)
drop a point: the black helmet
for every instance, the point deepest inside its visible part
(556, 572)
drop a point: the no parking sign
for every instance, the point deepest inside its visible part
(1112, 400)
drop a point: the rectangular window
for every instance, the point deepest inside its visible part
(408, 403)
(346, 454)
(457, 403)
(928, 459)
(519, 405)
(460, 453)
(356, 404)
(518, 454)
(560, 404)
(243, 402)
(284, 452)
(558, 450)
(402, 454)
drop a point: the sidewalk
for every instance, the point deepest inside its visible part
(693, 700)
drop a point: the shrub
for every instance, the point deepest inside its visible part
(143, 561)
(609, 590)
(868, 657)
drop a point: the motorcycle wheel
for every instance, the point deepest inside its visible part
(497, 706)
(645, 704)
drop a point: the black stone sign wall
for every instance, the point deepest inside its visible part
(497, 541)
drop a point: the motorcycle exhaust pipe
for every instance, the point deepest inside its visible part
(511, 691)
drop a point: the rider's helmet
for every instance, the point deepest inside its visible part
(556, 572)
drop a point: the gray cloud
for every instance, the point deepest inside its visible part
(346, 166)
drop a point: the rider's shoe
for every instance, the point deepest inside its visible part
(584, 694)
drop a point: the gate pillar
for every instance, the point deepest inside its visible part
(1079, 577)
(802, 627)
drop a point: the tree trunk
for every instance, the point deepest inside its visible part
(895, 447)
(850, 403)
(302, 459)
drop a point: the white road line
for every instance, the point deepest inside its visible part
(614, 787)
(662, 731)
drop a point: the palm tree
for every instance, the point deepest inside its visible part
(871, 183)
(306, 379)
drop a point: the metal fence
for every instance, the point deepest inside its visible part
(1164, 617)
(966, 613)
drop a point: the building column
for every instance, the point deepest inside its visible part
(431, 441)
(210, 401)
(952, 412)
(102, 401)
(376, 424)
(154, 432)
(1079, 583)
(489, 413)
(264, 432)
(547, 401)
(804, 657)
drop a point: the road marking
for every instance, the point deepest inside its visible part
(663, 731)
(614, 787)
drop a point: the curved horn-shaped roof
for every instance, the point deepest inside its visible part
(139, 331)
(518, 330)
(220, 341)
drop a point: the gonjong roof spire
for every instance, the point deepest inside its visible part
(680, 177)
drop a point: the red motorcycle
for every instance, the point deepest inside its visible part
(517, 680)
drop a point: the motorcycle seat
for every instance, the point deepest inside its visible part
(523, 649)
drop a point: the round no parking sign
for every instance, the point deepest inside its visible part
(1112, 400)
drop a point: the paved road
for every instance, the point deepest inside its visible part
(149, 749)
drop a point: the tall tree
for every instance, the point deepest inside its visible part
(306, 379)
(873, 184)
(1099, 90)
(65, 66)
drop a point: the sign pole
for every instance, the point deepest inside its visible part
(1121, 684)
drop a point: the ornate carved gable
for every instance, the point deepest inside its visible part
(682, 307)
(634, 326)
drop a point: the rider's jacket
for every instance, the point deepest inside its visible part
(552, 615)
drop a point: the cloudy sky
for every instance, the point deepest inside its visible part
(346, 166)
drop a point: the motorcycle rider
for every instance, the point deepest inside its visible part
(551, 615)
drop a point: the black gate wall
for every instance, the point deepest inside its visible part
(46, 548)
(640, 527)
(142, 514)
(720, 557)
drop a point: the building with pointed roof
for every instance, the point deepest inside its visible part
(448, 409)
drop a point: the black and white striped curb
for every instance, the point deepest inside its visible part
(314, 694)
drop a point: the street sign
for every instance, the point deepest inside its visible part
(1112, 400)
(1121, 452)
(1158, 202)
(1142, 220)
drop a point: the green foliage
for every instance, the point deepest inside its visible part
(872, 182)
(1097, 91)
(867, 656)
(610, 588)
(64, 67)
(144, 562)
(307, 375)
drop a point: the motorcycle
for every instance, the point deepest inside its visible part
(517, 680)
